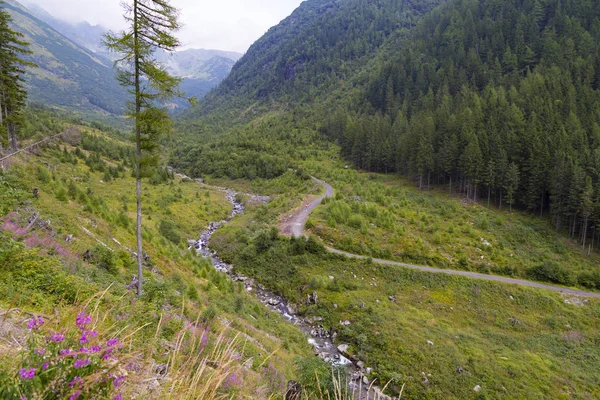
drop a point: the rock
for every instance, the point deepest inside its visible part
(343, 348)
(335, 306)
(331, 277)
(292, 309)
(365, 380)
(273, 302)
(477, 388)
(356, 376)
(392, 299)
(294, 391)
(369, 371)
(429, 342)
(360, 364)
(312, 298)
(345, 323)
(460, 369)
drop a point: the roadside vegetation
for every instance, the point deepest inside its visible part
(383, 216)
(440, 335)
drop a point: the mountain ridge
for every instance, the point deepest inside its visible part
(68, 75)
(201, 69)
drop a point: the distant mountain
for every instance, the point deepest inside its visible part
(314, 51)
(82, 33)
(201, 69)
(69, 75)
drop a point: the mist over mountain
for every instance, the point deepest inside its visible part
(68, 74)
(201, 69)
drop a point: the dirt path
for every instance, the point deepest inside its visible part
(295, 227)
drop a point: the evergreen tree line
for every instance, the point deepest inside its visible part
(496, 99)
(12, 70)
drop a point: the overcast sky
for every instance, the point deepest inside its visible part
(210, 24)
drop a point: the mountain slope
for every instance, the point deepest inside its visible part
(82, 33)
(68, 74)
(200, 69)
(315, 50)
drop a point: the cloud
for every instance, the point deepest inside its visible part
(224, 25)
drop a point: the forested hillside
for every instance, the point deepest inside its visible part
(496, 99)
(314, 50)
(67, 75)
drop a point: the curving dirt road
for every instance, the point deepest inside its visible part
(295, 227)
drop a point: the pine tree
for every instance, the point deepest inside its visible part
(151, 24)
(12, 71)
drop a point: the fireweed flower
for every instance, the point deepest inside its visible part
(65, 352)
(86, 335)
(27, 373)
(79, 363)
(75, 395)
(77, 381)
(57, 338)
(82, 320)
(95, 349)
(45, 366)
(118, 380)
(107, 354)
(35, 323)
(118, 397)
(112, 342)
(40, 352)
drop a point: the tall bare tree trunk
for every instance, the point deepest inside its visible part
(13, 135)
(138, 151)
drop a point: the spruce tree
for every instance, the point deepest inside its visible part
(12, 71)
(151, 26)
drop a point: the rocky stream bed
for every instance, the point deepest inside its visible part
(320, 338)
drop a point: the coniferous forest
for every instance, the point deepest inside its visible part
(497, 100)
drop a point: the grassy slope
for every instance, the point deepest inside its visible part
(177, 273)
(514, 342)
(384, 216)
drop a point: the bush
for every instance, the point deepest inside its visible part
(61, 195)
(356, 222)
(589, 279)
(169, 230)
(103, 258)
(43, 175)
(550, 272)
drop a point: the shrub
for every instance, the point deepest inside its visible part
(103, 258)
(356, 221)
(170, 231)
(43, 175)
(550, 272)
(589, 279)
(61, 194)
